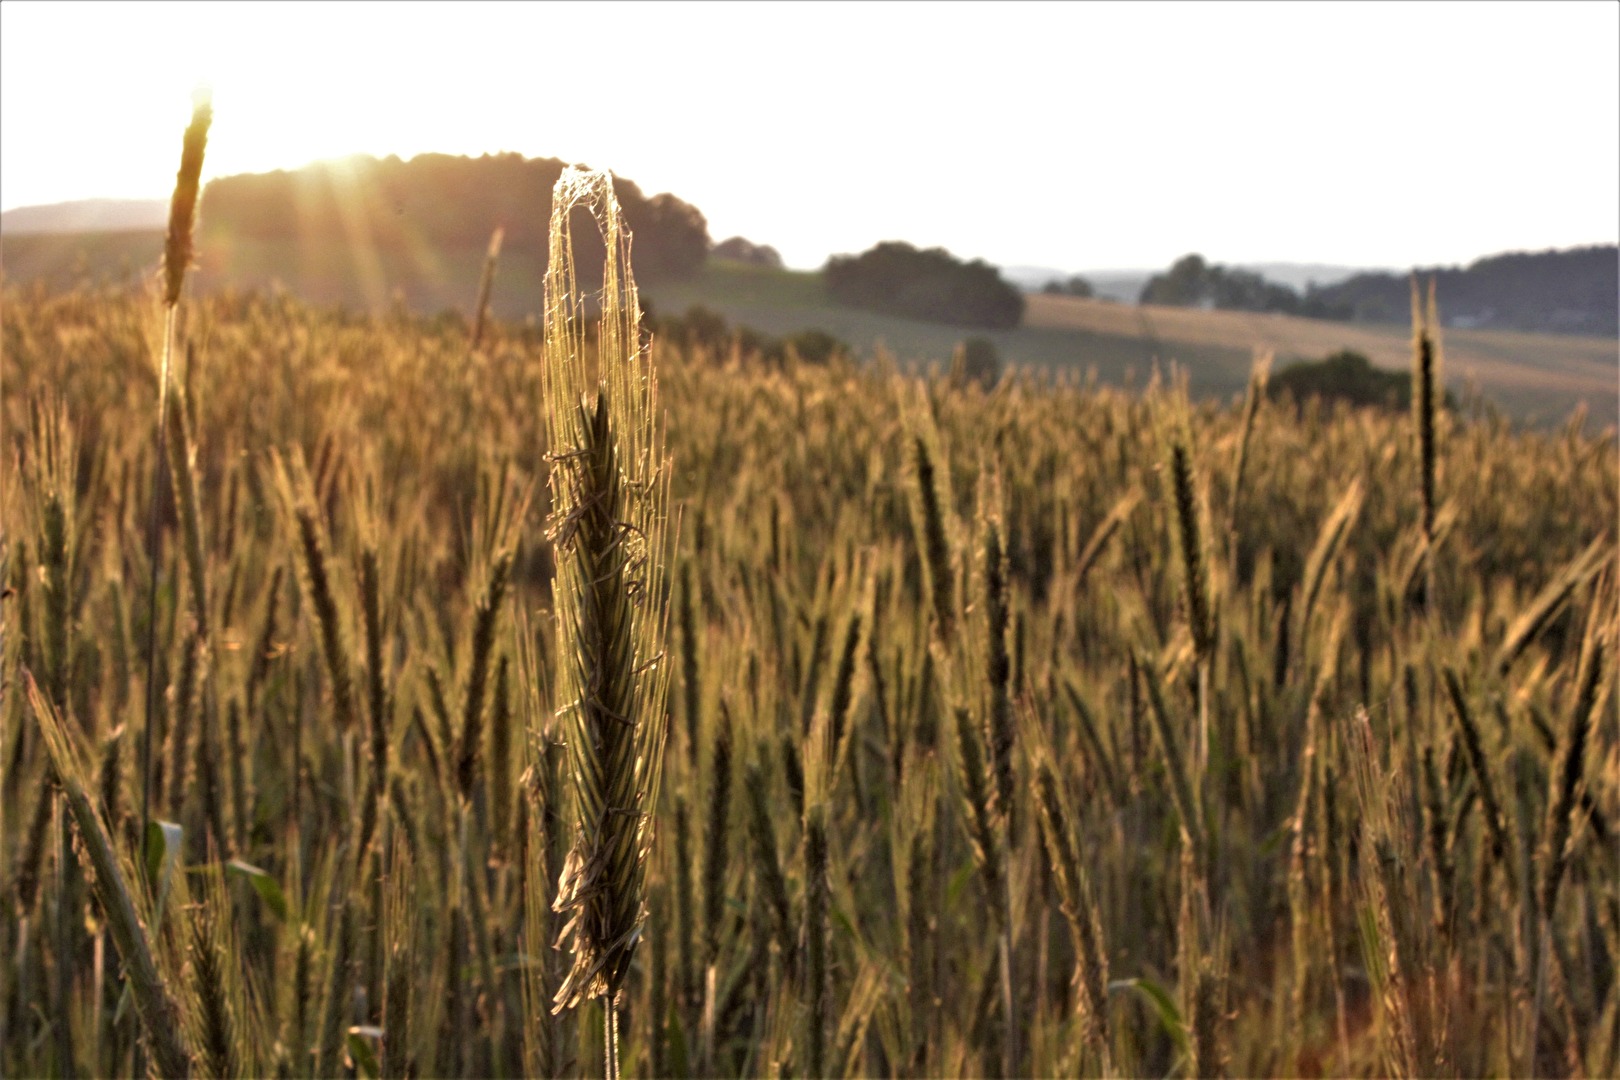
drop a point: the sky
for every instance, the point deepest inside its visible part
(1071, 136)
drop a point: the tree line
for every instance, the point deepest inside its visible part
(1560, 292)
(1193, 282)
(1570, 292)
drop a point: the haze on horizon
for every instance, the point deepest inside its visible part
(1071, 136)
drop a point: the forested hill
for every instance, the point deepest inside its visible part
(436, 203)
(1567, 292)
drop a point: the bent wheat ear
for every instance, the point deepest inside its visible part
(127, 911)
(1259, 375)
(1549, 601)
(1075, 895)
(1495, 818)
(1330, 540)
(609, 486)
(1565, 778)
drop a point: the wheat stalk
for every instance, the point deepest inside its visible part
(817, 900)
(128, 916)
(1329, 542)
(998, 665)
(767, 864)
(1391, 946)
(377, 710)
(470, 740)
(177, 254)
(315, 575)
(1565, 779)
(1258, 377)
(1074, 894)
(931, 512)
(486, 282)
(1495, 819)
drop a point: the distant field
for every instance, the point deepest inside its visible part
(782, 301)
(1535, 378)
(63, 260)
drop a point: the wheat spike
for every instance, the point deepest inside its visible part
(1565, 778)
(177, 247)
(609, 494)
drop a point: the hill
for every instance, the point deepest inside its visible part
(1534, 378)
(63, 260)
(1560, 292)
(86, 215)
(1126, 285)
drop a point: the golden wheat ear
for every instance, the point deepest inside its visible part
(609, 484)
(177, 247)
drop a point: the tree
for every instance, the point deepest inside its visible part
(439, 204)
(814, 346)
(739, 249)
(894, 278)
(1186, 284)
(1346, 376)
(1192, 282)
(1075, 286)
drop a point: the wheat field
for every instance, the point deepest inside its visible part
(943, 632)
(407, 701)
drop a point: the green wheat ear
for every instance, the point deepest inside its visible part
(609, 485)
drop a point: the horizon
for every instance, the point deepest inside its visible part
(1020, 270)
(1170, 169)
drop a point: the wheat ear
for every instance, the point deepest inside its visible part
(609, 486)
(1425, 377)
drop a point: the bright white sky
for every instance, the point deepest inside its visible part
(1076, 136)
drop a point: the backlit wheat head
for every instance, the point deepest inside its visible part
(609, 495)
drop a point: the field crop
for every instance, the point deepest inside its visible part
(1047, 731)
